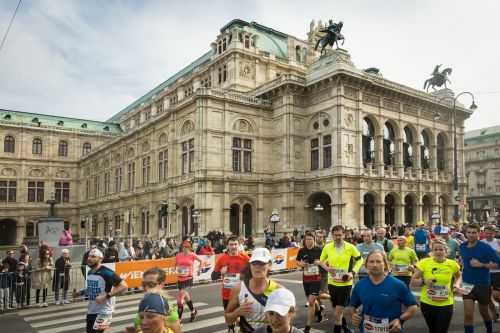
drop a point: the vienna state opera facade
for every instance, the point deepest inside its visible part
(261, 123)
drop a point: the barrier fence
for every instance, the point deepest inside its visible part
(18, 290)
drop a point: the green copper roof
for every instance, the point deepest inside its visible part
(270, 40)
(482, 135)
(39, 119)
(198, 62)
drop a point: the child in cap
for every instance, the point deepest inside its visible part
(280, 311)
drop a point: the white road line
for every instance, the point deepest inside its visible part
(189, 326)
(82, 316)
(288, 281)
(128, 317)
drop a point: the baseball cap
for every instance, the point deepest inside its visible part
(280, 301)
(96, 253)
(419, 223)
(444, 231)
(154, 303)
(64, 251)
(261, 254)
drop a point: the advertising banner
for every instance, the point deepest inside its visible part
(279, 259)
(291, 258)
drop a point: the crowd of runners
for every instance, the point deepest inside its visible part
(370, 281)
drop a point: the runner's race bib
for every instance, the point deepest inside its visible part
(182, 270)
(401, 269)
(375, 325)
(311, 270)
(230, 280)
(420, 247)
(338, 274)
(467, 288)
(102, 322)
(438, 293)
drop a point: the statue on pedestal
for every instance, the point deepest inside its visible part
(331, 36)
(438, 78)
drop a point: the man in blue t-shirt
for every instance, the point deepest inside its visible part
(381, 296)
(477, 259)
(421, 240)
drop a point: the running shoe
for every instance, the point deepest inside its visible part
(194, 313)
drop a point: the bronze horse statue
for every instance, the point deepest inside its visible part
(438, 79)
(331, 37)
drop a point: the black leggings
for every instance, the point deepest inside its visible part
(437, 318)
(44, 295)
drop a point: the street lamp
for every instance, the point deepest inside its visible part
(274, 218)
(196, 215)
(318, 208)
(473, 106)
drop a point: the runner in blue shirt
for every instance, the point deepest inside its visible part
(421, 241)
(381, 296)
(477, 258)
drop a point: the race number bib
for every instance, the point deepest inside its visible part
(438, 293)
(102, 322)
(338, 274)
(375, 325)
(420, 247)
(182, 270)
(401, 269)
(311, 270)
(467, 288)
(230, 280)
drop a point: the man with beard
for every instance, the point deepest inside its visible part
(381, 296)
(102, 286)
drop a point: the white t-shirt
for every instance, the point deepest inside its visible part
(495, 245)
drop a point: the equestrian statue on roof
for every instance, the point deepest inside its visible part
(330, 36)
(438, 78)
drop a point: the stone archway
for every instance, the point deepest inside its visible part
(8, 232)
(409, 209)
(369, 210)
(234, 219)
(426, 208)
(247, 220)
(320, 205)
(390, 209)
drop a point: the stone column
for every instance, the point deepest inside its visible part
(398, 160)
(399, 214)
(379, 154)
(379, 214)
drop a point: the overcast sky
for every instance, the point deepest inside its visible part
(90, 59)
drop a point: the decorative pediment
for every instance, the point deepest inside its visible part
(187, 127)
(242, 125)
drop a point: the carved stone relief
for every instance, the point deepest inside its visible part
(62, 174)
(36, 172)
(8, 172)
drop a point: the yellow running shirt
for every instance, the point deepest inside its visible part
(441, 294)
(340, 260)
(401, 260)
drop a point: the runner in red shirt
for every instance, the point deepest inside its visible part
(184, 263)
(229, 265)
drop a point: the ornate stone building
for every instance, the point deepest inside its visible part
(482, 167)
(259, 123)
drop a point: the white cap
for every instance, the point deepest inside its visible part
(261, 254)
(96, 253)
(64, 251)
(280, 301)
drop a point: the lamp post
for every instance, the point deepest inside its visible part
(473, 106)
(196, 215)
(274, 218)
(318, 208)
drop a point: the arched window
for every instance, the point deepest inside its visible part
(86, 148)
(63, 148)
(297, 53)
(368, 142)
(389, 138)
(440, 152)
(37, 146)
(9, 144)
(408, 148)
(424, 150)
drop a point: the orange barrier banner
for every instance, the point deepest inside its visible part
(291, 258)
(131, 271)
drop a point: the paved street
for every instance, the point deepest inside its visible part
(70, 318)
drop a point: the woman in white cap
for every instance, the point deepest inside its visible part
(279, 311)
(248, 299)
